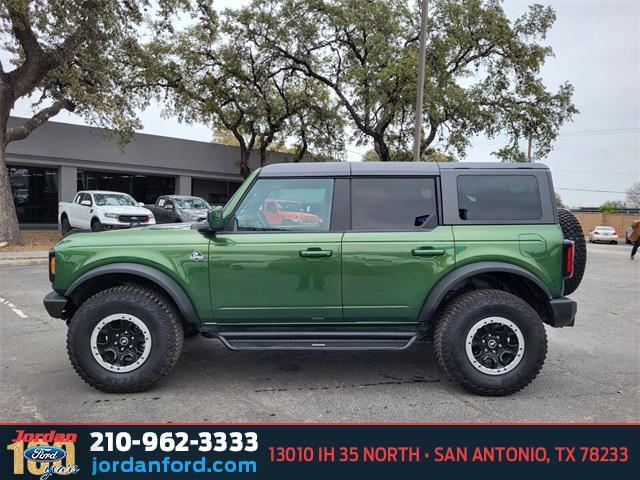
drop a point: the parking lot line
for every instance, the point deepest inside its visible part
(15, 309)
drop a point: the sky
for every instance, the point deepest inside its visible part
(597, 48)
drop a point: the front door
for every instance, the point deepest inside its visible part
(395, 252)
(279, 262)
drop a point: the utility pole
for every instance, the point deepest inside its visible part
(529, 148)
(420, 87)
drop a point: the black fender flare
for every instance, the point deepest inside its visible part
(161, 279)
(438, 293)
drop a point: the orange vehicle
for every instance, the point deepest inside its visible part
(287, 212)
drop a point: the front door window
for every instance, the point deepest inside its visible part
(287, 204)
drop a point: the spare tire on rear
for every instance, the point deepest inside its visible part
(572, 230)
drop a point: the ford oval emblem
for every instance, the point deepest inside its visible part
(44, 454)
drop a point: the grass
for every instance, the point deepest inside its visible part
(34, 240)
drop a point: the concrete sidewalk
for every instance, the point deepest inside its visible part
(16, 258)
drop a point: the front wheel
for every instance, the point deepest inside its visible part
(96, 226)
(65, 226)
(124, 339)
(491, 342)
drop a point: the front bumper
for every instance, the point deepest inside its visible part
(56, 305)
(113, 224)
(564, 312)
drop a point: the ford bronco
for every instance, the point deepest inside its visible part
(472, 256)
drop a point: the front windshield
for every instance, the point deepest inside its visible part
(114, 199)
(289, 206)
(191, 202)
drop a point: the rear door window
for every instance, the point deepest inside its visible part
(393, 203)
(499, 197)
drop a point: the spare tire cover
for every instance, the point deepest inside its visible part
(572, 230)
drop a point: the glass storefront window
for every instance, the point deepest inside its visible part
(143, 188)
(35, 193)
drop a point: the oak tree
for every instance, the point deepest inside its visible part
(483, 69)
(70, 55)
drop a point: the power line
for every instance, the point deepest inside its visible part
(587, 190)
(601, 131)
(596, 172)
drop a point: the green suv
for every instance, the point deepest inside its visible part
(333, 256)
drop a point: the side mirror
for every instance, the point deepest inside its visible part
(214, 218)
(141, 204)
(86, 203)
(168, 206)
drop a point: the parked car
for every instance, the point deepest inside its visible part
(474, 257)
(603, 234)
(287, 212)
(179, 208)
(99, 210)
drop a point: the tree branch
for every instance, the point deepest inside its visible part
(24, 34)
(24, 130)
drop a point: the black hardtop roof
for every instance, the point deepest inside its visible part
(345, 169)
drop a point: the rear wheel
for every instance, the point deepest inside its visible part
(124, 339)
(572, 230)
(491, 342)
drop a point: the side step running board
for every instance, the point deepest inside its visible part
(317, 340)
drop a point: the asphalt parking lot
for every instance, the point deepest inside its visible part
(592, 372)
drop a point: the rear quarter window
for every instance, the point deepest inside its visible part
(499, 197)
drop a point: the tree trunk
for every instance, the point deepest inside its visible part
(245, 171)
(9, 230)
(302, 151)
(381, 148)
(263, 155)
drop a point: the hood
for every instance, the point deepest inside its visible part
(200, 212)
(163, 234)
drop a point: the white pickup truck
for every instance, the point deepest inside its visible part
(101, 210)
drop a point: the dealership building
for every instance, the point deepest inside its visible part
(58, 159)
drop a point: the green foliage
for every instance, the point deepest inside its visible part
(78, 53)
(483, 70)
(209, 72)
(611, 206)
(429, 155)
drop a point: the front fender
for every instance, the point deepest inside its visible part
(162, 280)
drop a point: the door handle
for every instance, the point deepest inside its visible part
(315, 253)
(427, 252)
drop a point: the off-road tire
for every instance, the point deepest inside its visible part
(572, 230)
(96, 226)
(461, 314)
(155, 311)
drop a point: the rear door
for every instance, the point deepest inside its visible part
(395, 252)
